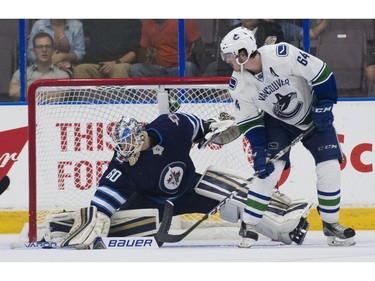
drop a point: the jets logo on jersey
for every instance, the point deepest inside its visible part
(171, 177)
(283, 103)
(282, 50)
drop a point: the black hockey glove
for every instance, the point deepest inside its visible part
(322, 114)
(261, 166)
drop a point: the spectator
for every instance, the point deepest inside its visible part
(69, 42)
(159, 49)
(293, 32)
(265, 32)
(111, 47)
(43, 68)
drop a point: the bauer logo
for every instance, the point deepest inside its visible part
(125, 243)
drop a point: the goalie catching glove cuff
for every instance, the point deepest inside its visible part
(220, 131)
(262, 166)
(322, 114)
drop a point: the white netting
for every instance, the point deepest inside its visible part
(73, 128)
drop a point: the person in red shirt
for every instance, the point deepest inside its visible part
(158, 55)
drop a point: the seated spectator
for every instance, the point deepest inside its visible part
(293, 32)
(43, 68)
(265, 33)
(69, 41)
(159, 49)
(111, 47)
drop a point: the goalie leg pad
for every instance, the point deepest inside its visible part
(88, 225)
(140, 222)
(281, 221)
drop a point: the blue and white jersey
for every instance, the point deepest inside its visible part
(164, 171)
(284, 88)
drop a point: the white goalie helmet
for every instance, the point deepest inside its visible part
(129, 136)
(236, 40)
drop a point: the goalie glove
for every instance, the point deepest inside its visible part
(322, 114)
(221, 131)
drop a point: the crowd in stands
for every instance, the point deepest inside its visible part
(123, 48)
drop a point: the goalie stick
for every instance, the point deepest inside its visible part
(163, 236)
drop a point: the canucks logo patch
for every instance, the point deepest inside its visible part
(282, 50)
(233, 83)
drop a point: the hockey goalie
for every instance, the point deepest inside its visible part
(150, 165)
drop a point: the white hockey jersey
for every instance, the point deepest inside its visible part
(283, 89)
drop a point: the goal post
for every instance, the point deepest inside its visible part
(70, 127)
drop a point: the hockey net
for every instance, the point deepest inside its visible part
(71, 121)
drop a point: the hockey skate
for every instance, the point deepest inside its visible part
(338, 235)
(248, 237)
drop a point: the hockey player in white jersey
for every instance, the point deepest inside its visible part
(280, 91)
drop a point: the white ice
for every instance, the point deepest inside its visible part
(221, 257)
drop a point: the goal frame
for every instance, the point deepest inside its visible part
(86, 82)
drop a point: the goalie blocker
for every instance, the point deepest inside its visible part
(284, 219)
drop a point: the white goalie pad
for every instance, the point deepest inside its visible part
(89, 224)
(140, 222)
(281, 218)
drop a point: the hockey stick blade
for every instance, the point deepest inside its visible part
(4, 183)
(163, 236)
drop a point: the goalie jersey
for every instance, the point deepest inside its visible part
(164, 171)
(284, 89)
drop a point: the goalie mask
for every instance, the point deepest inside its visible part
(236, 40)
(129, 136)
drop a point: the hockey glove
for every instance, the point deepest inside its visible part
(322, 114)
(261, 162)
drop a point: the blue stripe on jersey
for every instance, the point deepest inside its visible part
(195, 121)
(107, 200)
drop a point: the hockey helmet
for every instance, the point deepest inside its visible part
(129, 136)
(236, 40)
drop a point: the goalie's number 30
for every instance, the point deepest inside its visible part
(114, 175)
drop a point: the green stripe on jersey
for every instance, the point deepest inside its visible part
(323, 76)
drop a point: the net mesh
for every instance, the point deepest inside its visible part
(73, 144)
